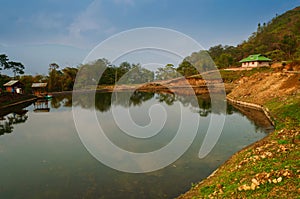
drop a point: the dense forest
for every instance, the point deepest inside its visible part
(279, 39)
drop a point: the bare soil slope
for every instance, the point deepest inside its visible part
(262, 87)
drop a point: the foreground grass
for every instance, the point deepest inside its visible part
(269, 168)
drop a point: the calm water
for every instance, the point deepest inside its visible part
(41, 155)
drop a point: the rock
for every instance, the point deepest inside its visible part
(279, 179)
(255, 182)
(246, 187)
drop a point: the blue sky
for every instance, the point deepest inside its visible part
(38, 32)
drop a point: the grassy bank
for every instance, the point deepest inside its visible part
(269, 168)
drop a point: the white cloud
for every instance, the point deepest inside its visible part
(89, 23)
(87, 20)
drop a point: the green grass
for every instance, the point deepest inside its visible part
(286, 111)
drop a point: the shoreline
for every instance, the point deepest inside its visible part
(18, 103)
(265, 110)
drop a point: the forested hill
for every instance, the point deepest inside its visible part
(279, 39)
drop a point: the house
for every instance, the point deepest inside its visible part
(39, 89)
(14, 86)
(257, 60)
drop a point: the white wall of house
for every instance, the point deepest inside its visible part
(255, 64)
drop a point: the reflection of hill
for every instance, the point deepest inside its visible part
(258, 117)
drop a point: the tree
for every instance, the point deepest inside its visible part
(225, 60)
(168, 72)
(185, 68)
(3, 61)
(16, 67)
(289, 45)
(54, 83)
(68, 78)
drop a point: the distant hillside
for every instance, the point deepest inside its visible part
(278, 39)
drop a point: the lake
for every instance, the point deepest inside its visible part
(42, 155)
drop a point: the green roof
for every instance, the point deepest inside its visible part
(257, 57)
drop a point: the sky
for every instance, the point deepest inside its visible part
(40, 32)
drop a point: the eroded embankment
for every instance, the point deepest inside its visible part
(270, 167)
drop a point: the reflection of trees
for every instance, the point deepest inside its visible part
(17, 118)
(7, 122)
(168, 98)
(5, 127)
(204, 107)
(103, 101)
(230, 109)
(127, 99)
(138, 98)
(55, 102)
(61, 100)
(200, 104)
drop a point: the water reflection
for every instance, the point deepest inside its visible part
(11, 117)
(47, 150)
(202, 106)
(105, 100)
(41, 105)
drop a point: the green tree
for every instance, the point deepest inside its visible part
(54, 81)
(3, 61)
(137, 75)
(225, 60)
(289, 45)
(68, 78)
(16, 67)
(167, 72)
(185, 68)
